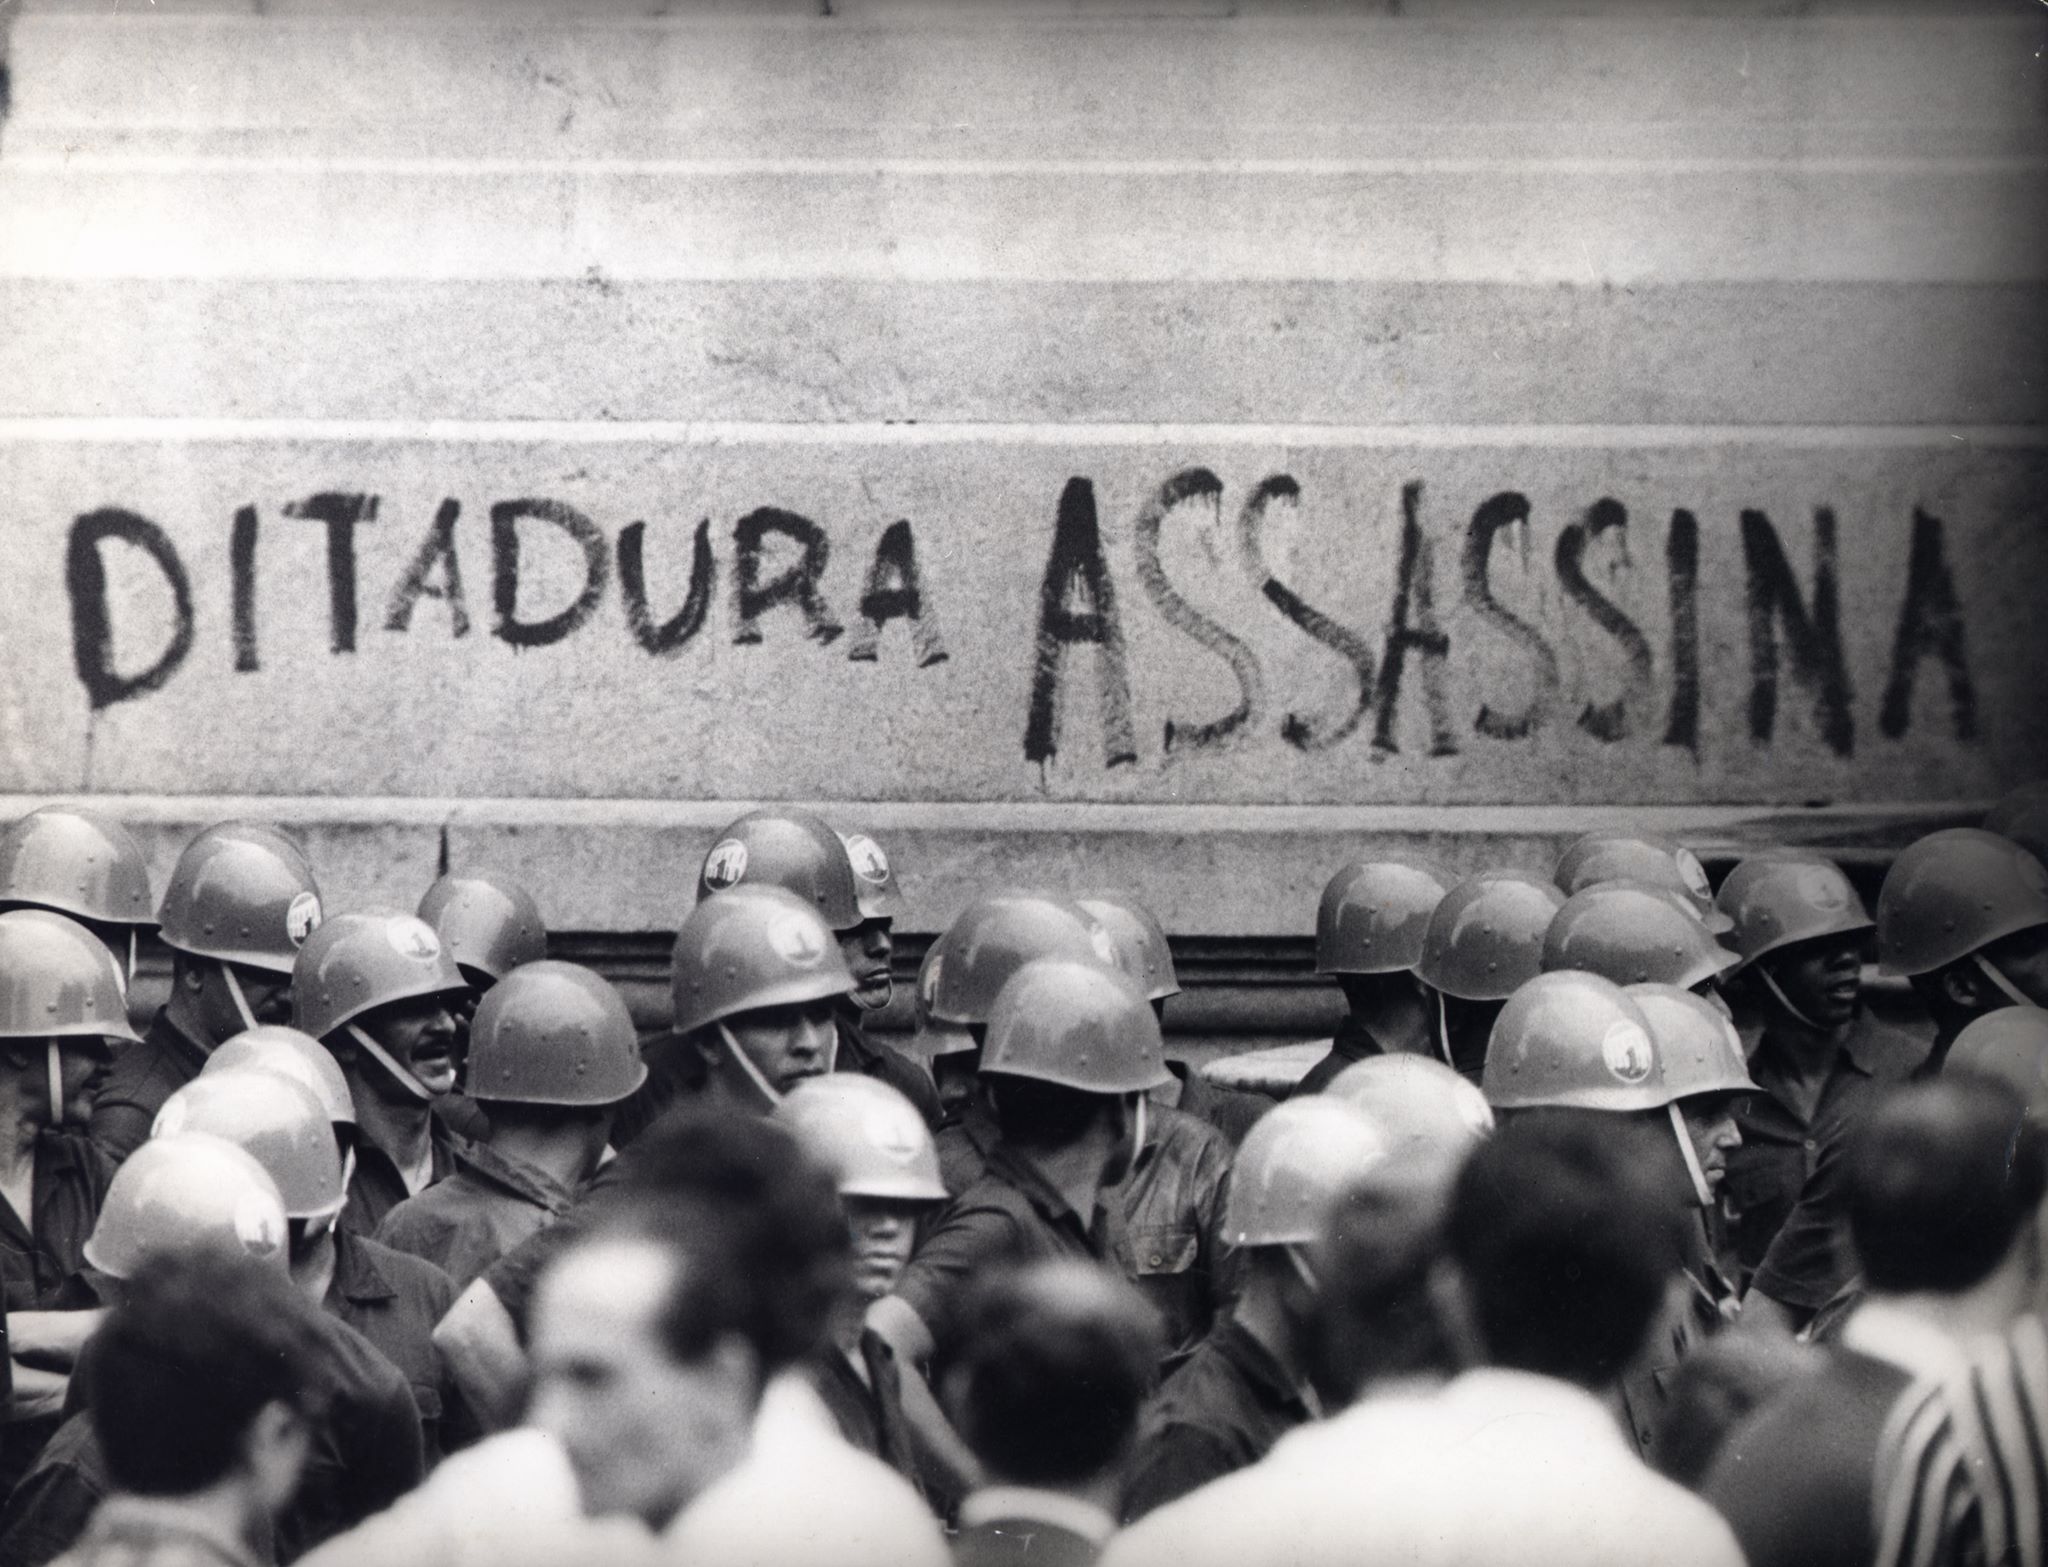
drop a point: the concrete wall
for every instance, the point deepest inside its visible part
(1075, 445)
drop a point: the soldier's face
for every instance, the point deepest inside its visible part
(268, 995)
(866, 949)
(1822, 977)
(420, 1034)
(884, 1234)
(2022, 958)
(788, 1044)
(1710, 1123)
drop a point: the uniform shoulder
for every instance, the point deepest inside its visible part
(410, 1275)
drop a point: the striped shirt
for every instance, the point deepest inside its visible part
(1963, 1472)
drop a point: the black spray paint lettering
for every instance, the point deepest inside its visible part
(1303, 733)
(1412, 628)
(895, 591)
(1930, 621)
(1815, 638)
(674, 634)
(341, 514)
(1195, 485)
(242, 568)
(435, 554)
(1682, 571)
(505, 520)
(1506, 510)
(1077, 608)
(92, 631)
(1604, 720)
(796, 583)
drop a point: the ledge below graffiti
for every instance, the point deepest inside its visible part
(1197, 635)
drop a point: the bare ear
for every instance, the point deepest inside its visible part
(187, 975)
(1963, 987)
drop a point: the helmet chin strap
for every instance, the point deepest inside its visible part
(53, 1065)
(131, 954)
(1784, 1000)
(2011, 991)
(386, 1060)
(1700, 1188)
(753, 1073)
(1443, 1031)
(235, 992)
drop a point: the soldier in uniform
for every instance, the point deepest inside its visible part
(78, 862)
(490, 926)
(1483, 940)
(380, 992)
(1249, 1383)
(1666, 1059)
(786, 847)
(241, 902)
(1369, 929)
(552, 1053)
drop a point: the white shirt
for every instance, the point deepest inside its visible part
(1497, 1467)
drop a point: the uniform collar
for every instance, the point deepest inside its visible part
(150, 1522)
(1256, 1363)
(1883, 1331)
(1024, 1503)
(356, 1274)
(1022, 1174)
(165, 1030)
(523, 1180)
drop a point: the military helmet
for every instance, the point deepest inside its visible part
(1374, 915)
(1697, 1045)
(1573, 1040)
(1417, 1103)
(1952, 893)
(2010, 1044)
(1138, 940)
(271, 1047)
(867, 1134)
(785, 846)
(1075, 1024)
(77, 861)
(489, 925)
(936, 1038)
(874, 879)
(1662, 862)
(355, 963)
(1778, 899)
(1486, 935)
(757, 946)
(1296, 1160)
(277, 1122)
(241, 892)
(58, 981)
(1632, 935)
(991, 939)
(175, 1196)
(553, 1034)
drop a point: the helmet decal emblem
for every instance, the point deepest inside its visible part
(256, 1226)
(413, 938)
(1626, 1050)
(796, 941)
(302, 918)
(928, 981)
(870, 864)
(1822, 889)
(1695, 874)
(1105, 949)
(889, 1131)
(725, 864)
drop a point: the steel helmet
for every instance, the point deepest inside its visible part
(277, 1122)
(785, 847)
(1575, 1041)
(488, 924)
(241, 892)
(355, 963)
(1697, 1045)
(79, 862)
(1662, 862)
(1138, 940)
(185, 1194)
(756, 946)
(553, 1034)
(1417, 1103)
(1374, 915)
(1296, 1160)
(1486, 936)
(935, 1038)
(271, 1047)
(991, 939)
(2012, 1044)
(1776, 900)
(1633, 936)
(2023, 817)
(1953, 892)
(867, 1134)
(874, 882)
(1078, 1025)
(58, 981)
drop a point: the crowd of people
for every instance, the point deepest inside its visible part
(1625, 1218)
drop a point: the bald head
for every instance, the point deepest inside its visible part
(1943, 1176)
